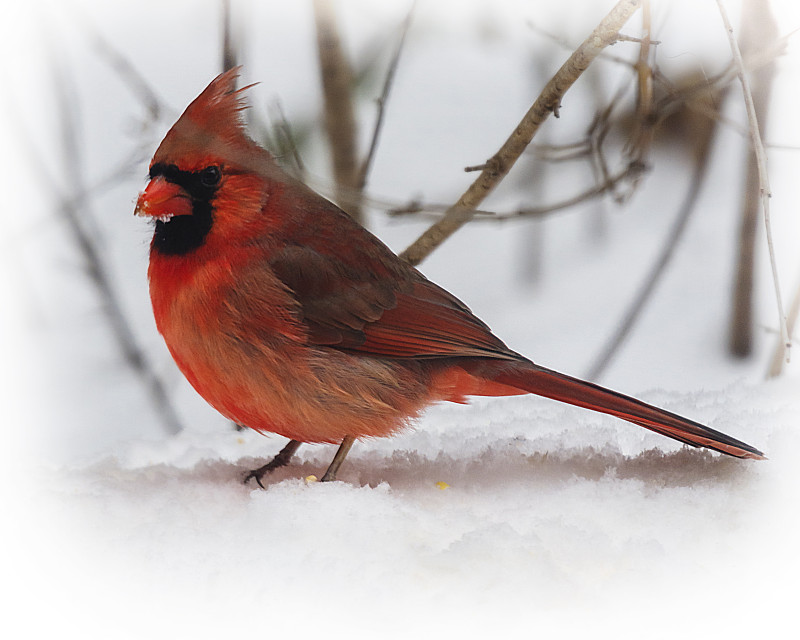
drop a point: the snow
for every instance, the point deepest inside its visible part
(575, 517)
(510, 517)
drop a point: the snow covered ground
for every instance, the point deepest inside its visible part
(510, 517)
(573, 524)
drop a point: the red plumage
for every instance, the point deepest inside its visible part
(288, 317)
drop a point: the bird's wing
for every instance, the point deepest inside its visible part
(366, 299)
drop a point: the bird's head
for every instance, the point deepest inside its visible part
(205, 154)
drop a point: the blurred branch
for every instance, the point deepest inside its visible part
(700, 137)
(288, 142)
(231, 38)
(498, 166)
(124, 68)
(340, 123)
(76, 212)
(599, 130)
(758, 27)
(761, 162)
(692, 96)
(387, 84)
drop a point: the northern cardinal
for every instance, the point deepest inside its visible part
(290, 318)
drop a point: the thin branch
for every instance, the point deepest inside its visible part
(761, 158)
(599, 130)
(570, 46)
(500, 164)
(561, 152)
(340, 123)
(756, 59)
(387, 85)
(642, 137)
(632, 171)
(778, 355)
(783, 147)
(645, 40)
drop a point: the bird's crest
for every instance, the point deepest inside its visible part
(210, 127)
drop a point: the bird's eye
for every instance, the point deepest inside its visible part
(210, 176)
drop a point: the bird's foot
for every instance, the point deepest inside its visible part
(341, 454)
(281, 460)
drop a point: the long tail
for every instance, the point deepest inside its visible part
(551, 384)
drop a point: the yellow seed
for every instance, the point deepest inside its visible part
(311, 478)
(442, 485)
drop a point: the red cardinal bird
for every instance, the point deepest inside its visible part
(290, 318)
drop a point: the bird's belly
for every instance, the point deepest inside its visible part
(302, 392)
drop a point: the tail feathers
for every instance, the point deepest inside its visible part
(551, 384)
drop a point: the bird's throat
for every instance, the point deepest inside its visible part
(184, 234)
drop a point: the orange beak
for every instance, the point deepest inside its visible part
(163, 200)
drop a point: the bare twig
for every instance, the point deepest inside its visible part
(631, 172)
(645, 40)
(783, 147)
(498, 166)
(387, 85)
(563, 152)
(760, 152)
(340, 123)
(778, 355)
(570, 46)
(642, 138)
(764, 54)
(598, 132)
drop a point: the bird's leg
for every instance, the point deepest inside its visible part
(280, 460)
(341, 454)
